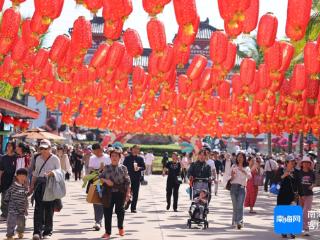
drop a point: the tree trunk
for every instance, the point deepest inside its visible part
(290, 139)
(301, 143)
(269, 145)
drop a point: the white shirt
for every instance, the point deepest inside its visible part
(270, 165)
(95, 162)
(185, 162)
(240, 177)
(21, 163)
(210, 162)
(148, 159)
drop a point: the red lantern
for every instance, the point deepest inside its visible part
(185, 11)
(264, 78)
(311, 63)
(299, 78)
(247, 71)
(156, 35)
(298, 16)
(166, 60)
(183, 84)
(59, 48)
(197, 66)
(233, 29)
(37, 25)
(48, 9)
(187, 33)
(132, 42)
(273, 56)
(31, 39)
(230, 59)
(237, 89)
(17, 122)
(224, 90)
(115, 55)
(230, 9)
(10, 23)
(115, 10)
(113, 29)
(205, 83)
(312, 90)
(19, 50)
(267, 30)
(251, 17)
(81, 39)
(287, 54)
(93, 5)
(125, 65)
(218, 47)
(7, 119)
(41, 59)
(154, 7)
(100, 56)
(254, 86)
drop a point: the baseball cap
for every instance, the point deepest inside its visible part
(45, 143)
(306, 159)
(290, 158)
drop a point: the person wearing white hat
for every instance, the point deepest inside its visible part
(307, 177)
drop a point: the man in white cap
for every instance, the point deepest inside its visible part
(45, 163)
(308, 178)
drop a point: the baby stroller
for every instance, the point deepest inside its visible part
(199, 207)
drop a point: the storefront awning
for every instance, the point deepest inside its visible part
(18, 109)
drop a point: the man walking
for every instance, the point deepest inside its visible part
(45, 163)
(270, 167)
(135, 166)
(97, 163)
(149, 158)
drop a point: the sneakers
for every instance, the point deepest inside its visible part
(168, 206)
(106, 236)
(46, 237)
(97, 226)
(20, 235)
(127, 204)
(121, 232)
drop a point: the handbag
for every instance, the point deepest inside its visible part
(57, 205)
(258, 180)
(179, 179)
(93, 195)
(274, 189)
(228, 186)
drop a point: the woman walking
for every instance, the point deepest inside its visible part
(117, 192)
(288, 186)
(64, 161)
(252, 187)
(173, 168)
(240, 173)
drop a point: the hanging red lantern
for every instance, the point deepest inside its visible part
(7, 119)
(273, 57)
(81, 39)
(247, 71)
(115, 55)
(132, 41)
(230, 9)
(31, 39)
(233, 29)
(287, 54)
(41, 59)
(126, 64)
(156, 35)
(154, 7)
(100, 56)
(115, 10)
(188, 32)
(264, 78)
(17, 122)
(255, 85)
(205, 83)
(59, 47)
(312, 89)
(166, 60)
(183, 84)
(113, 29)
(185, 11)
(237, 89)
(153, 63)
(311, 63)
(224, 90)
(93, 5)
(10, 24)
(218, 47)
(181, 54)
(19, 50)
(48, 9)
(299, 78)
(37, 25)
(251, 17)
(197, 66)
(298, 16)
(267, 30)
(230, 59)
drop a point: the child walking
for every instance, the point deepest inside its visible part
(17, 198)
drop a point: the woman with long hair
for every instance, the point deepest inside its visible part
(252, 188)
(240, 173)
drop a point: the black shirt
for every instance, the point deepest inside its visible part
(173, 171)
(307, 179)
(8, 166)
(199, 170)
(129, 161)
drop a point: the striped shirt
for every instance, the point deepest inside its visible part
(17, 199)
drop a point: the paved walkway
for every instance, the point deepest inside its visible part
(153, 222)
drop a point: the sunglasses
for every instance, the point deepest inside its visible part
(43, 148)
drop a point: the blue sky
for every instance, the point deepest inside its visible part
(139, 18)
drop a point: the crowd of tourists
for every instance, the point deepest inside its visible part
(115, 175)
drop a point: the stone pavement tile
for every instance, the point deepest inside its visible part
(154, 222)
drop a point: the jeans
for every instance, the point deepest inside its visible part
(14, 220)
(43, 215)
(268, 180)
(173, 189)
(98, 213)
(237, 193)
(135, 186)
(307, 204)
(4, 205)
(117, 200)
